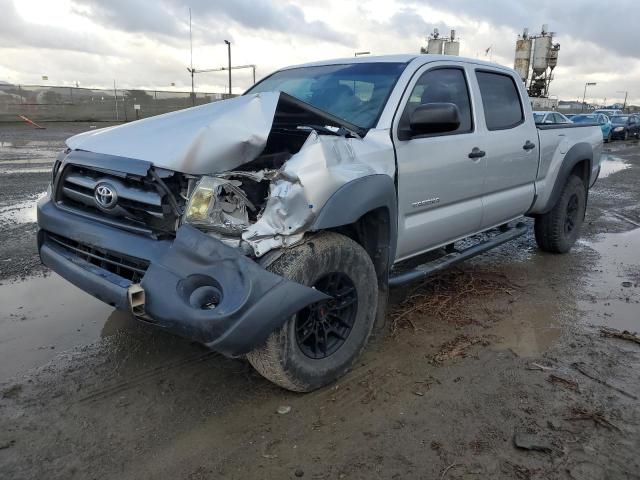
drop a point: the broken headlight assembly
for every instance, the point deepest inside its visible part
(220, 205)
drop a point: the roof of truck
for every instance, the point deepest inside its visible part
(401, 58)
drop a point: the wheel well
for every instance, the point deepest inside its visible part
(372, 231)
(582, 169)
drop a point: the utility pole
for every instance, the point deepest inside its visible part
(229, 52)
(584, 95)
(624, 105)
(115, 98)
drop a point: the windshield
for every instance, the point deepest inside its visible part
(585, 119)
(356, 92)
(619, 120)
(537, 117)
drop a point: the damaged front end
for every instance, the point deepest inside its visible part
(228, 183)
(272, 201)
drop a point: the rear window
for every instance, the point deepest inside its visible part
(585, 119)
(619, 120)
(500, 100)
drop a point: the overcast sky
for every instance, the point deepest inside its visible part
(145, 44)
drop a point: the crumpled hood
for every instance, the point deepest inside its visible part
(211, 138)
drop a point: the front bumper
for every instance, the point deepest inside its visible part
(182, 278)
(617, 135)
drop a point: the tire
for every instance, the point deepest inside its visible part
(557, 230)
(287, 358)
(608, 139)
(626, 135)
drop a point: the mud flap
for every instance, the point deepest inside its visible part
(206, 291)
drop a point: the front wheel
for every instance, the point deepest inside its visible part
(557, 230)
(322, 341)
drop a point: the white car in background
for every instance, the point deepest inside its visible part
(609, 112)
(549, 118)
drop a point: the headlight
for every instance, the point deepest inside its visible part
(618, 129)
(218, 204)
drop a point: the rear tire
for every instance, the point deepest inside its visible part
(626, 135)
(321, 342)
(557, 230)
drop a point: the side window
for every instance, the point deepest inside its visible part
(500, 100)
(440, 85)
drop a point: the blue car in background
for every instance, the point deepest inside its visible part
(599, 118)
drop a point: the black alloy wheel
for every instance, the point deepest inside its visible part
(323, 327)
(571, 218)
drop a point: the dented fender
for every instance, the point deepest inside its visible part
(324, 166)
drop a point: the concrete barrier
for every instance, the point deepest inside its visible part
(68, 104)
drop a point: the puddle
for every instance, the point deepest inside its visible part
(529, 333)
(18, 171)
(612, 297)
(28, 161)
(29, 151)
(610, 164)
(21, 212)
(44, 316)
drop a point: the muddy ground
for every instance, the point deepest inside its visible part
(506, 349)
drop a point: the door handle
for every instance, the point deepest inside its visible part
(477, 153)
(529, 145)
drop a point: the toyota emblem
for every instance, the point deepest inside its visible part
(105, 195)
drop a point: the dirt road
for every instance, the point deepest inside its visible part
(496, 369)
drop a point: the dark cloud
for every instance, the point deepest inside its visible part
(16, 33)
(409, 22)
(605, 24)
(212, 18)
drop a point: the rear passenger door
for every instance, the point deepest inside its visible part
(512, 148)
(440, 185)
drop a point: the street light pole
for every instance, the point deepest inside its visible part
(584, 95)
(229, 52)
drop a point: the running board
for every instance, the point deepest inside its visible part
(446, 261)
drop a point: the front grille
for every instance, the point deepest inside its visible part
(131, 268)
(141, 204)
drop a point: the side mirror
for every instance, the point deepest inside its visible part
(434, 118)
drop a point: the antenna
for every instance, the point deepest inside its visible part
(190, 40)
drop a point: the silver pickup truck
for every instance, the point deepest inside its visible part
(271, 226)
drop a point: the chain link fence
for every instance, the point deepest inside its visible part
(53, 103)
